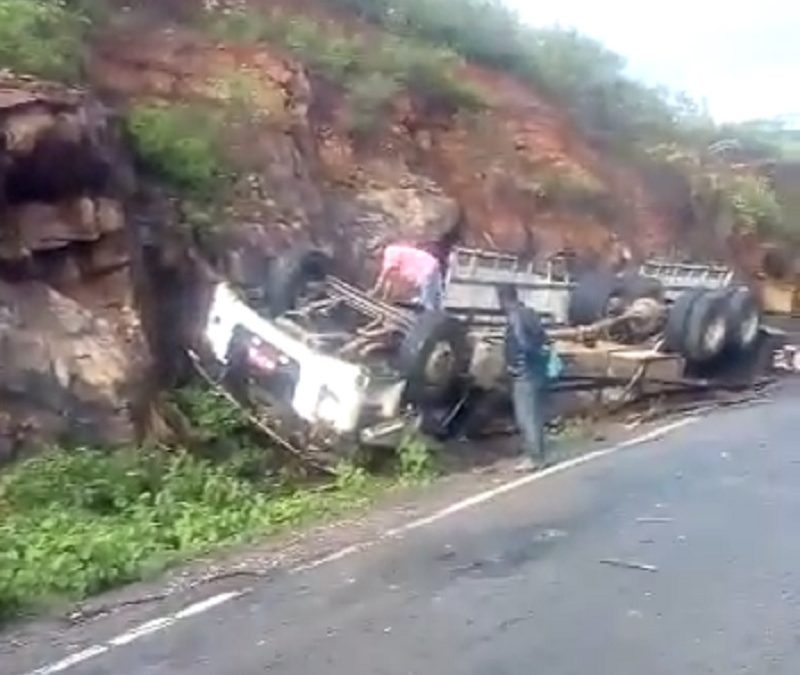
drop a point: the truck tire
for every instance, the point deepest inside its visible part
(636, 286)
(433, 357)
(678, 321)
(743, 318)
(289, 276)
(589, 301)
(706, 328)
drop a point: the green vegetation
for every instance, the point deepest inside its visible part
(626, 116)
(417, 463)
(586, 76)
(717, 188)
(426, 40)
(372, 70)
(42, 37)
(755, 205)
(80, 521)
(573, 187)
(370, 98)
(180, 144)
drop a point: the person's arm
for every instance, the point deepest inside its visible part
(383, 285)
(387, 287)
(380, 283)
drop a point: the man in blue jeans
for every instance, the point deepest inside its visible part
(526, 360)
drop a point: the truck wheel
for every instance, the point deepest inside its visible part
(743, 318)
(290, 275)
(636, 286)
(590, 301)
(678, 320)
(706, 329)
(433, 357)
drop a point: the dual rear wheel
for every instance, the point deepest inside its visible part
(702, 325)
(705, 325)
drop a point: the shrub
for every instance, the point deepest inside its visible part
(429, 71)
(754, 204)
(417, 460)
(574, 68)
(369, 97)
(41, 37)
(77, 522)
(372, 71)
(178, 143)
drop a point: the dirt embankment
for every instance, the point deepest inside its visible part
(521, 172)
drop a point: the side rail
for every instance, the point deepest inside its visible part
(474, 275)
(679, 277)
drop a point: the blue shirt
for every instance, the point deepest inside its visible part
(525, 341)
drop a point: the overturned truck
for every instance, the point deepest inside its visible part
(327, 367)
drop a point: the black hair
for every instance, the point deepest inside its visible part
(507, 293)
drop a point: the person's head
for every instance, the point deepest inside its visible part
(441, 247)
(507, 295)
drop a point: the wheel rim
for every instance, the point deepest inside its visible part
(749, 330)
(714, 337)
(440, 364)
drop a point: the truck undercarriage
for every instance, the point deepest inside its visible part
(327, 367)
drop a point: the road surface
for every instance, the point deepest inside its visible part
(534, 580)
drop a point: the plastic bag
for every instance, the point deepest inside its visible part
(555, 364)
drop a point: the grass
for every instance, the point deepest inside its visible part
(180, 144)
(42, 38)
(755, 205)
(372, 71)
(77, 522)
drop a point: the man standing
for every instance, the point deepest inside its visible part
(526, 360)
(415, 266)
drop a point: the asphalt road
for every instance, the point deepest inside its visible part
(518, 584)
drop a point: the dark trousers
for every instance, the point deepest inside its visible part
(527, 394)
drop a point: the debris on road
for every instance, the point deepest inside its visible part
(613, 562)
(653, 520)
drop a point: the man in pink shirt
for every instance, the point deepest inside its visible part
(415, 266)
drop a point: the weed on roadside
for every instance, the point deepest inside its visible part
(74, 523)
(417, 460)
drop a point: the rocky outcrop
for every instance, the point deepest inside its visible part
(65, 373)
(73, 356)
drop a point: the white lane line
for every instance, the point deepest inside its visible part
(72, 660)
(205, 605)
(488, 495)
(493, 493)
(159, 624)
(147, 628)
(658, 433)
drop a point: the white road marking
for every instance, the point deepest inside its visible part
(194, 609)
(488, 495)
(140, 631)
(147, 628)
(72, 660)
(205, 605)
